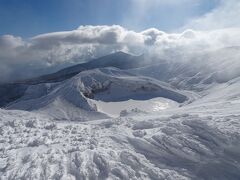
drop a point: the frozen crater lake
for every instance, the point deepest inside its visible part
(114, 109)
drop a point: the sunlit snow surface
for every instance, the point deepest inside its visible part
(195, 142)
(114, 109)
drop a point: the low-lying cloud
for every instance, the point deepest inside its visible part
(25, 58)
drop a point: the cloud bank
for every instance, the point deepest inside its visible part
(48, 51)
(24, 58)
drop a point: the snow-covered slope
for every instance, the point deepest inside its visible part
(196, 71)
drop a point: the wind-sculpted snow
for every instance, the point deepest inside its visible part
(173, 145)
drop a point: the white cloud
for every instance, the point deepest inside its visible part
(148, 3)
(226, 15)
(83, 35)
(9, 44)
(10, 41)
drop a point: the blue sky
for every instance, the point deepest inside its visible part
(27, 18)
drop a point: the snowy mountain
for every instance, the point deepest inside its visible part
(81, 91)
(171, 120)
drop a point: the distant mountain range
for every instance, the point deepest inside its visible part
(119, 60)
